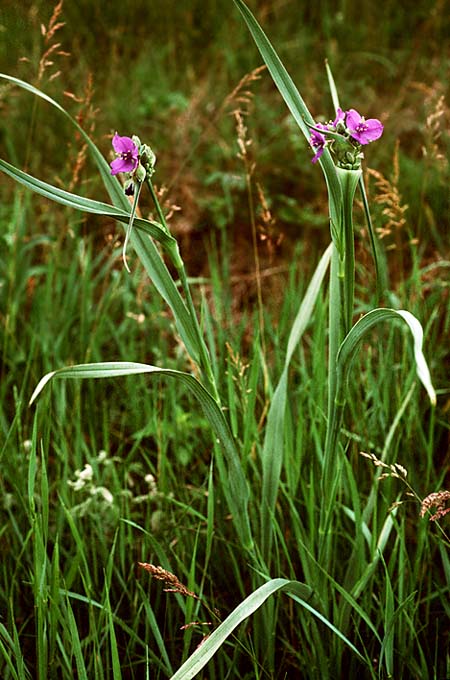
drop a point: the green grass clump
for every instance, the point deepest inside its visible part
(131, 533)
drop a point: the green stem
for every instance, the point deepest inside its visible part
(349, 181)
(334, 341)
(205, 360)
(159, 211)
(341, 300)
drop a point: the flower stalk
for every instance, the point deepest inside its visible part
(138, 161)
(349, 180)
(344, 138)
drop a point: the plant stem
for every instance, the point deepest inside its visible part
(349, 181)
(341, 300)
(334, 341)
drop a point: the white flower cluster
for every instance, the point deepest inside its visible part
(84, 481)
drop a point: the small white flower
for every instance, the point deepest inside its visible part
(77, 485)
(8, 501)
(152, 487)
(86, 474)
(104, 493)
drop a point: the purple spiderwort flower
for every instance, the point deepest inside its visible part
(128, 155)
(318, 142)
(364, 131)
(346, 134)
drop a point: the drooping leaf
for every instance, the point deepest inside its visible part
(87, 204)
(375, 316)
(236, 489)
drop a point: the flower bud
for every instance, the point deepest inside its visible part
(140, 172)
(148, 158)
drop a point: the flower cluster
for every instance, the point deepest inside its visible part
(133, 158)
(84, 481)
(345, 136)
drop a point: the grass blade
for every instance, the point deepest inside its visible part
(76, 643)
(272, 454)
(298, 591)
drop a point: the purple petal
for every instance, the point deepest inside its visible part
(316, 138)
(352, 119)
(123, 144)
(374, 130)
(317, 142)
(120, 165)
(340, 115)
(317, 155)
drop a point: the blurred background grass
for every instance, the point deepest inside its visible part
(164, 70)
(170, 72)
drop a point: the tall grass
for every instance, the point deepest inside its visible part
(137, 525)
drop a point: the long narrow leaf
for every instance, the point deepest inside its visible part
(76, 643)
(294, 102)
(236, 491)
(272, 454)
(379, 260)
(296, 590)
(332, 86)
(86, 204)
(343, 363)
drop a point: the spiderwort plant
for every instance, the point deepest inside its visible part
(337, 147)
(338, 150)
(344, 137)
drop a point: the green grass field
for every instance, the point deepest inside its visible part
(214, 517)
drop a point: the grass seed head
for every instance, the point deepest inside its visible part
(175, 585)
(438, 501)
